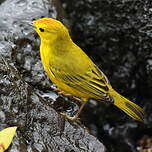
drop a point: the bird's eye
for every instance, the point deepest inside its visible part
(41, 29)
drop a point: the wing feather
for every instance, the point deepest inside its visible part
(91, 82)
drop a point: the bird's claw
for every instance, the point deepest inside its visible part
(64, 93)
(60, 92)
(72, 118)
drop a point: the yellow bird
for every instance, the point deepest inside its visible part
(74, 72)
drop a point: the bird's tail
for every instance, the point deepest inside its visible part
(127, 106)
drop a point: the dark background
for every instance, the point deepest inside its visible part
(116, 34)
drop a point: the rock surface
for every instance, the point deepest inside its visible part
(22, 81)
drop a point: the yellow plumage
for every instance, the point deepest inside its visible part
(73, 71)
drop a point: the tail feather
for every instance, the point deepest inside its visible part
(127, 106)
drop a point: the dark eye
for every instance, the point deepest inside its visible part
(41, 29)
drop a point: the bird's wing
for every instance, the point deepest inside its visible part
(92, 82)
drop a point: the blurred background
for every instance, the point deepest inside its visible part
(116, 34)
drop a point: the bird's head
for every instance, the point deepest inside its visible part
(50, 29)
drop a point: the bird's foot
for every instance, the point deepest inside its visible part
(76, 98)
(75, 117)
(64, 93)
(60, 92)
(72, 118)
